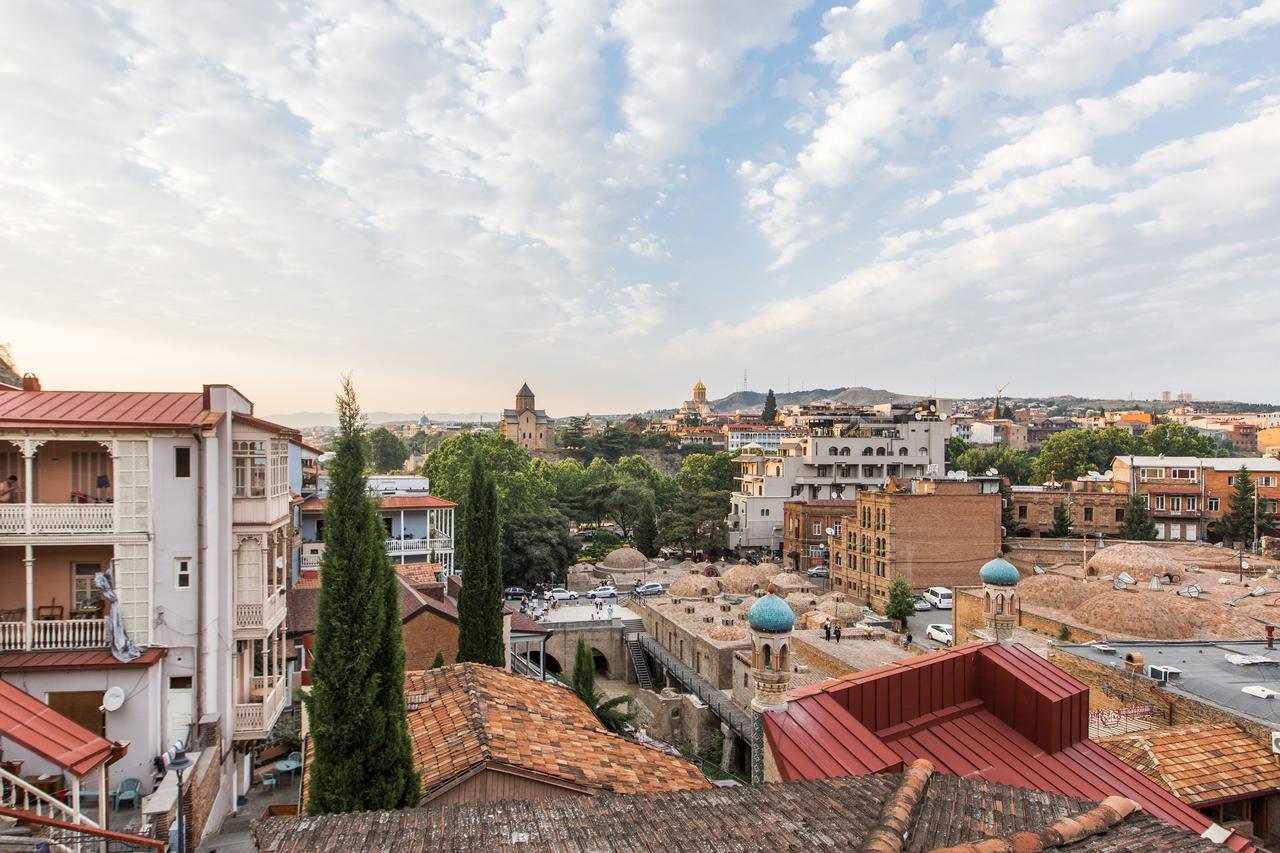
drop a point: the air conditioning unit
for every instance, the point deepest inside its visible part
(1163, 674)
(1275, 743)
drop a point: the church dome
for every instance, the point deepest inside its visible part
(698, 386)
(999, 572)
(771, 615)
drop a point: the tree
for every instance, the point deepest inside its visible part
(1102, 446)
(573, 435)
(609, 712)
(1137, 523)
(449, 467)
(1176, 440)
(1237, 522)
(480, 601)
(1062, 457)
(388, 451)
(537, 547)
(1061, 522)
(770, 412)
(955, 446)
(629, 502)
(647, 533)
(363, 758)
(902, 601)
(1008, 521)
(1005, 461)
(438, 660)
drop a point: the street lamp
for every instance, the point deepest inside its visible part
(179, 763)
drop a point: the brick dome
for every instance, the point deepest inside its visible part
(694, 586)
(1136, 615)
(624, 559)
(1142, 562)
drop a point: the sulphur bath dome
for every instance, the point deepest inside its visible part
(999, 572)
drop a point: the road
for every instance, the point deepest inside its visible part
(922, 619)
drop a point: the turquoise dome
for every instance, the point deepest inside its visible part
(999, 572)
(771, 615)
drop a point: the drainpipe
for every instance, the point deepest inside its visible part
(200, 548)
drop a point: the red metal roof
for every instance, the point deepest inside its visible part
(391, 502)
(70, 409)
(97, 659)
(26, 720)
(996, 712)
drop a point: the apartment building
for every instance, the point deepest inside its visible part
(805, 525)
(1095, 509)
(999, 433)
(765, 436)
(929, 532)
(419, 525)
(830, 463)
(146, 548)
(1187, 495)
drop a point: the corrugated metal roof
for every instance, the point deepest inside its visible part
(89, 659)
(31, 723)
(99, 408)
(317, 504)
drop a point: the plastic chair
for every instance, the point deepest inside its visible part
(295, 757)
(128, 789)
(269, 780)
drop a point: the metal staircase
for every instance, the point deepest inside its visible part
(631, 631)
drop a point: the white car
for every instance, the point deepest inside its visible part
(560, 594)
(603, 591)
(940, 634)
(938, 596)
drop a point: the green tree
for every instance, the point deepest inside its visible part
(573, 435)
(955, 446)
(438, 660)
(701, 472)
(537, 547)
(1008, 520)
(1062, 457)
(647, 533)
(1237, 522)
(480, 600)
(615, 441)
(449, 466)
(1137, 523)
(769, 414)
(363, 758)
(629, 502)
(1175, 439)
(902, 601)
(609, 712)
(1061, 522)
(388, 451)
(1102, 446)
(1005, 461)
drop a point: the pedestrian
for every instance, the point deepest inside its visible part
(7, 488)
(826, 629)
(610, 612)
(906, 641)
(837, 632)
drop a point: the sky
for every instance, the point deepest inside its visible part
(609, 200)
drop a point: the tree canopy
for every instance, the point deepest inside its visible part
(388, 452)
(769, 414)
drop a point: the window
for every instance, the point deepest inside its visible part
(1188, 474)
(182, 570)
(250, 468)
(319, 529)
(902, 451)
(1231, 481)
(1159, 501)
(81, 706)
(817, 528)
(1120, 515)
(182, 463)
(1190, 501)
(1151, 473)
(1266, 482)
(84, 594)
(1212, 504)
(1022, 511)
(279, 467)
(1088, 513)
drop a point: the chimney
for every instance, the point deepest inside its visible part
(1271, 636)
(30, 382)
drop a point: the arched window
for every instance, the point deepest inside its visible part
(768, 656)
(924, 451)
(879, 451)
(866, 451)
(1000, 604)
(833, 451)
(784, 659)
(902, 451)
(844, 451)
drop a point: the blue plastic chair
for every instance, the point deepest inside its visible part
(128, 789)
(269, 780)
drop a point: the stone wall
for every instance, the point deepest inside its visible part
(818, 659)
(606, 639)
(678, 718)
(969, 616)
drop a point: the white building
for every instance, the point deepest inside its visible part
(185, 498)
(820, 467)
(766, 436)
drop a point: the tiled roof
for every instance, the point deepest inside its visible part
(88, 659)
(98, 408)
(33, 725)
(830, 814)
(465, 715)
(419, 573)
(304, 603)
(317, 504)
(1200, 764)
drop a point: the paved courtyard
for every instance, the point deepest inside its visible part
(233, 836)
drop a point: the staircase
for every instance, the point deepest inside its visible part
(631, 631)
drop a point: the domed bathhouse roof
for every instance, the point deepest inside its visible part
(999, 572)
(771, 615)
(624, 559)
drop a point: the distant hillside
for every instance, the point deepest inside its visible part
(302, 420)
(858, 395)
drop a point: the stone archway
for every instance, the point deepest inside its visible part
(552, 667)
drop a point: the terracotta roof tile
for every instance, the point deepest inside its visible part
(1200, 764)
(467, 714)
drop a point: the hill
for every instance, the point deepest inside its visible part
(302, 420)
(857, 395)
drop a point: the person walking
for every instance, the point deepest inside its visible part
(826, 629)
(610, 612)
(837, 632)
(906, 641)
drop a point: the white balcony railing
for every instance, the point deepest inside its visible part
(313, 551)
(255, 719)
(260, 615)
(57, 518)
(54, 634)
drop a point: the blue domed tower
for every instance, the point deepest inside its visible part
(771, 621)
(999, 596)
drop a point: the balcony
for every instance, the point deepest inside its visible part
(57, 518)
(254, 618)
(53, 635)
(313, 551)
(254, 720)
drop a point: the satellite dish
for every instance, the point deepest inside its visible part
(1037, 570)
(831, 531)
(113, 699)
(918, 416)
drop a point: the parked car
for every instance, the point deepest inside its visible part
(605, 590)
(515, 592)
(650, 588)
(560, 594)
(940, 633)
(921, 604)
(939, 597)
(819, 572)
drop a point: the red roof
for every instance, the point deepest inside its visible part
(266, 426)
(317, 504)
(26, 720)
(96, 659)
(99, 408)
(995, 712)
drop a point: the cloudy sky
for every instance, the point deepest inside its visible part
(610, 199)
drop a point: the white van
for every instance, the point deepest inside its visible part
(938, 596)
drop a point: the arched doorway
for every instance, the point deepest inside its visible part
(601, 662)
(552, 665)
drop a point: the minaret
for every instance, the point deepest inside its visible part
(771, 621)
(999, 597)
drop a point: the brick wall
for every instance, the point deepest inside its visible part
(424, 635)
(818, 659)
(969, 615)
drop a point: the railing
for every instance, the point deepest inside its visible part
(439, 544)
(66, 836)
(255, 719)
(13, 636)
(69, 634)
(16, 793)
(57, 518)
(260, 615)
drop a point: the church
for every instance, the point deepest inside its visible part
(526, 425)
(697, 409)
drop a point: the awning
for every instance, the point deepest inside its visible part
(32, 724)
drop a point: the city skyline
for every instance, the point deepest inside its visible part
(610, 199)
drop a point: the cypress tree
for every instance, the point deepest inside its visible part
(1237, 521)
(1137, 524)
(480, 601)
(1061, 522)
(647, 532)
(362, 758)
(770, 413)
(438, 660)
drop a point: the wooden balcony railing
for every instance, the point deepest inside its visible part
(53, 634)
(57, 518)
(260, 615)
(254, 720)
